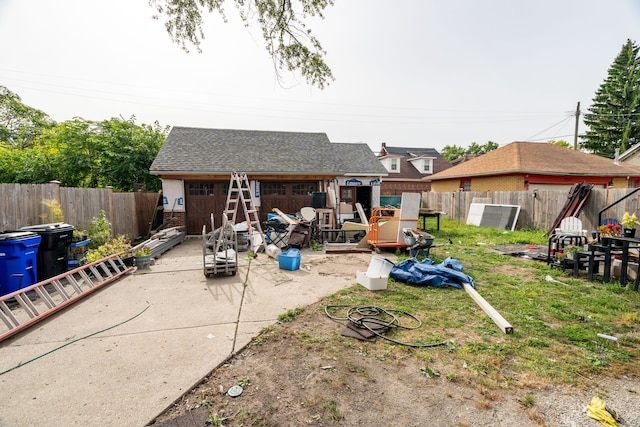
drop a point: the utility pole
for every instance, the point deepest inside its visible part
(575, 134)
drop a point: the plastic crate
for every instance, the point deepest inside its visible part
(289, 260)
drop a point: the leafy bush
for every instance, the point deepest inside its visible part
(54, 211)
(100, 231)
(116, 245)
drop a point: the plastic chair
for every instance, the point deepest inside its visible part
(570, 226)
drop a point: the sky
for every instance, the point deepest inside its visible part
(410, 73)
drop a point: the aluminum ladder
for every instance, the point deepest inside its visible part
(240, 197)
(25, 307)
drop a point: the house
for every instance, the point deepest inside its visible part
(525, 166)
(631, 156)
(407, 168)
(286, 170)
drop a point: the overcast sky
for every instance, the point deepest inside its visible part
(416, 73)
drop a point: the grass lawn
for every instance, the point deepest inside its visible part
(556, 325)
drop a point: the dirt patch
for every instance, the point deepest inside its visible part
(305, 372)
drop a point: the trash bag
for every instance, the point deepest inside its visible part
(428, 273)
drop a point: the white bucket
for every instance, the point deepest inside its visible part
(272, 251)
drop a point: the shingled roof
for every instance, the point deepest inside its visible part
(412, 152)
(407, 170)
(214, 151)
(537, 158)
(358, 159)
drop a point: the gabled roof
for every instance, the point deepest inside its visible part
(220, 151)
(407, 155)
(630, 152)
(357, 159)
(412, 152)
(537, 158)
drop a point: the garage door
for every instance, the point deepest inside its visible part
(201, 200)
(289, 197)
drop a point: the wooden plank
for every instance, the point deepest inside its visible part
(285, 217)
(491, 312)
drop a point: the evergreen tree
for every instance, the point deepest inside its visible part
(614, 116)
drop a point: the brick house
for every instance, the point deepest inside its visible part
(526, 166)
(408, 167)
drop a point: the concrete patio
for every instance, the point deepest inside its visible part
(137, 345)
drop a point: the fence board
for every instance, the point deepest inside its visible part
(23, 205)
(539, 212)
(132, 213)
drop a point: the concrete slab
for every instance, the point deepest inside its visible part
(123, 354)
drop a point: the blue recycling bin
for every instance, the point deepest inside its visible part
(18, 260)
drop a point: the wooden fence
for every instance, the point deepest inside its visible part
(130, 214)
(538, 209)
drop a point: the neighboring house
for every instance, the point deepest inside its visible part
(407, 168)
(631, 156)
(528, 166)
(286, 170)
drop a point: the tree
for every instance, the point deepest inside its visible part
(614, 116)
(560, 143)
(287, 39)
(19, 123)
(129, 150)
(82, 153)
(478, 149)
(452, 152)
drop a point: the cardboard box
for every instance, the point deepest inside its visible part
(345, 208)
(377, 275)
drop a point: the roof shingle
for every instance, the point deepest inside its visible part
(199, 150)
(537, 158)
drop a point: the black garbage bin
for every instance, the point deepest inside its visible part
(53, 252)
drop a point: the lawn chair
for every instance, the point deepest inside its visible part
(277, 232)
(569, 233)
(570, 226)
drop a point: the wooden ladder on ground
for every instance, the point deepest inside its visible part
(25, 307)
(240, 197)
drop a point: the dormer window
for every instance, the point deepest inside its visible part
(426, 165)
(394, 165)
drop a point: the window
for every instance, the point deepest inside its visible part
(393, 165)
(426, 165)
(201, 189)
(302, 189)
(465, 185)
(273, 189)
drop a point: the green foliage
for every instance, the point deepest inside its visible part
(560, 143)
(288, 41)
(613, 116)
(452, 152)
(290, 315)
(100, 230)
(555, 326)
(53, 211)
(82, 153)
(19, 123)
(116, 245)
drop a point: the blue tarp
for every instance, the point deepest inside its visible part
(427, 273)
